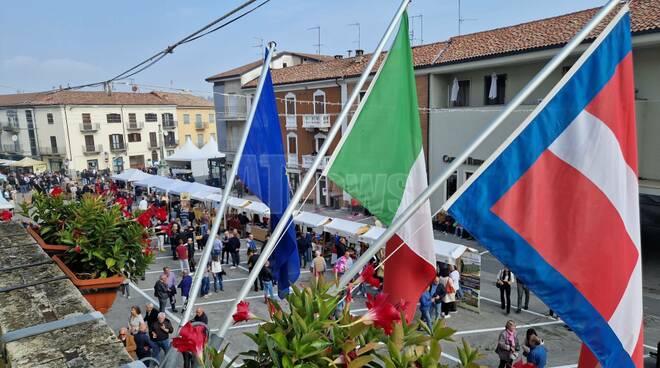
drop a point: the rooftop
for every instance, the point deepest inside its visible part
(102, 98)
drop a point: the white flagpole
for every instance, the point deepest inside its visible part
(206, 253)
(508, 109)
(309, 176)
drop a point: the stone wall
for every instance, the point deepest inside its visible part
(89, 344)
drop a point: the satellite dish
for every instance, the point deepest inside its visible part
(14, 138)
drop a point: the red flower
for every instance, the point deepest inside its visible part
(520, 364)
(148, 251)
(191, 339)
(56, 192)
(161, 214)
(121, 202)
(126, 213)
(381, 313)
(349, 293)
(367, 275)
(242, 312)
(5, 215)
(271, 307)
(144, 219)
(77, 249)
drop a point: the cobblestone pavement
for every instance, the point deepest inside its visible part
(480, 329)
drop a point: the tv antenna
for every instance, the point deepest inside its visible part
(421, 28)
(461, 19)
(318, 37)
(259, 46)
(357, 24)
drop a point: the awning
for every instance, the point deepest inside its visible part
(131, 175)
(258, 208)
(370, 236)
(238, 203)
(448, 252)
(27, 162)
(5, 205)
(345, 227)
(310, 219)
(154, 181)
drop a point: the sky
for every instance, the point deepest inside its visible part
(45, 44)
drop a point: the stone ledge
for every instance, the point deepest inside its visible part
(91, 344)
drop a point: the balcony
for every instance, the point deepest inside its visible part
(292, 160)
(12, 148)
(52, 151)
(200, 125)
(171, 124)
(307, 161)
(170, 143)
(135, 126)
(118, 147)
(11, 125)
(291, 122)
(236, 107)
(90, 149)
(316, 121)
(89, 127)
(154, 144)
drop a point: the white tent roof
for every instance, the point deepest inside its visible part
(238, 203)
(213, 197)
(370, 236)
(131, 175)
(3, 177)
(189, 152)
(4, 162)
(345, 227)
(448, 252)
(154, 181)
(5, 205)
(210, 149)
(310, 219)
(257, 207)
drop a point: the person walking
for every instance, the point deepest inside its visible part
(505, 278)
(251, 243)
(507, 345)
(171, 285)
(425, 303)
(449, 300)
(302, 250)
(437, 293)
(184, 285)
(206, 283)
(216, 271)
(217, 246)
(225, 247)
(151, 313)
(160, 334)
(175, 236)
(162, 292)
(182, 254)
(318, 265)
(234, 247)
(456, 278)
(522, 289)
(266, 278)
(135, 319)
(253, 257)
(144, 347)
(128, 341)
(191, 253)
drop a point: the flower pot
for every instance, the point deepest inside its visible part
(100, 292)
(50, 249)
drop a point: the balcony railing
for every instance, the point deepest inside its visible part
(52, 151)
(154, 144)
(292, 160)
(118, 147)
(316, 121)
(169, 124)
(135, 126)
(236, 107)
(171, 143)
(308, 160)
(89, 127)
(200, 125)
(12, 148)
(291, 122)
(11, 125)
(92, 148)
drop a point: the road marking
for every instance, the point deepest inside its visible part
(154, 302)
(484, 252)
(482, 330)
(512, 307)
(229, 300)
(650, 347)
(451, 357)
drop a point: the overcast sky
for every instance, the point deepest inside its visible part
(50, 43)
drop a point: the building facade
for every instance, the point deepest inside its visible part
(195, 117)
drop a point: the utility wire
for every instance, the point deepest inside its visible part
(150, 61)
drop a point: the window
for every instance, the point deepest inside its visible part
(500, 87)
(200, 140)
(89, 143)
(467, 175)
(134, 137)
(131, 118)
(319, 102)
(167, 117)
(463, 96)
(53, 144)
(186, 118)
(198, 118)
(451, 185)
(284, 65)
(116, 141)
(319, 139)
(49, 118)
(150, 117)
(113, 118)
(211, 118)
(292, 143)
(86, 118)
(290, 104)
(153, 139)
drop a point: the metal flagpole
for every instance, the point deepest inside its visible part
(458, 161)
(309, 176)
(206, 253)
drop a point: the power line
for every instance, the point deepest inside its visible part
(150, 61)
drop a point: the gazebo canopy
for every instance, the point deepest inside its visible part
(210, 149)
(189, 152)
(131, 175)
(27, 162)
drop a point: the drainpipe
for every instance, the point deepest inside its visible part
(68, 138)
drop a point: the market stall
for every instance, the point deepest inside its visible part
(349, 229)
(468, 262)
(311, 221)
(36, 165)
(370, 236)
(131, 175)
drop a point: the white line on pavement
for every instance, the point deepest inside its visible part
(451, 357)
(566, 366)
(229, 300)
(482, 330)
(512, 306)
(154, 302)
(650, 347)
(484, 252)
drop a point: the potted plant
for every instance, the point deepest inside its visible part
(48, 214)
(105, 246)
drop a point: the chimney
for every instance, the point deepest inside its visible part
(339, 57)
(359, 52)
(349, 52)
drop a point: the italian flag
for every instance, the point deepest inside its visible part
(381, 163)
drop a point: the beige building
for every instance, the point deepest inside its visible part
(195, 117)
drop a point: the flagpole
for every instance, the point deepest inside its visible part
(206, 253)
(309, 176)
(458, 161)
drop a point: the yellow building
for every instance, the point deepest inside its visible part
(195, 117)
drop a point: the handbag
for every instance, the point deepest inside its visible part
(498, 284)
(449, 287)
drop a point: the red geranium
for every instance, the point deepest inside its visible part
(243, 312)
(126, 213)
(77, 249)
(6, 215)
(160, 213)
(367, 275)
(381, 313)
(121, 202)
(144, 219)
(56, 192)
(191, 339)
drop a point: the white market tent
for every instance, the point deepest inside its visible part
(238, 203)
(131, 175)
(5, 205)
(345, 228)
(210, 149)
(258, 208)
(370, 236)
(448, 252)
(310, 219)
(155, 181)
(189, 152)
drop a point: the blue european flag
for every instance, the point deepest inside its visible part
(263, 170)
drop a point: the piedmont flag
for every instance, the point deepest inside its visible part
(262, 169)
(381, 163)
(558, 202)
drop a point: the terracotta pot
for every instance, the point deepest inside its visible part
(100, 293)
(50, 249)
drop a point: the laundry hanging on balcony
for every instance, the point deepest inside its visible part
(492, 93)
(454, 91)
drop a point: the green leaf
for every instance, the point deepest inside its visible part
(110, 262)
(360, 361)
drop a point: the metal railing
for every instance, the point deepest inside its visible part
(52, 151)
(154, 144)
(307, 161)
(292, 160)
(169, 124)
(291, 122)
(236, 107)
(171, 142)
(92, 148)
(12, 148)
(89, 127)
(135, 125)
(118, 147)
(11, 125)
(316, 121)
(200, 125)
